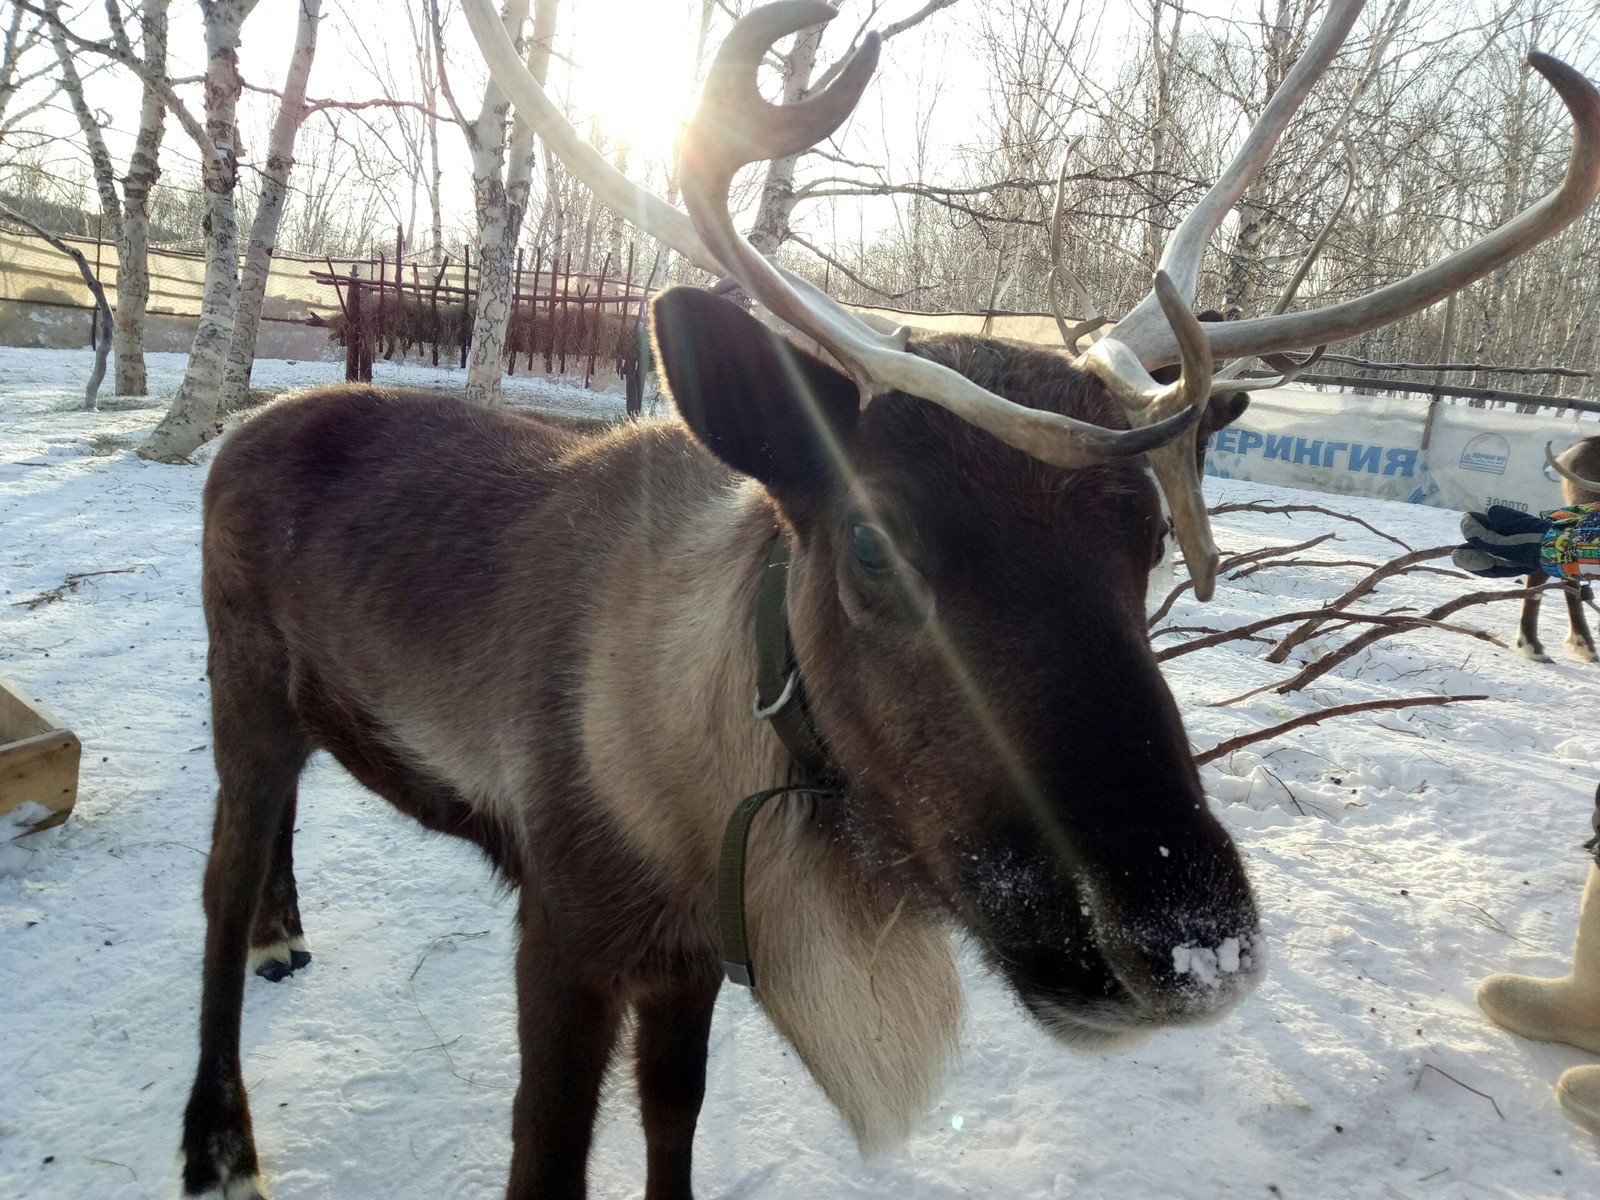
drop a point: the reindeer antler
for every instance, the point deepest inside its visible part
(1146, 339)
(734, 126)
(1549, 457)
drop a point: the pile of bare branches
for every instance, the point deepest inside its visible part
(1332, 617)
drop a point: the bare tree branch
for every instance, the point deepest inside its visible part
(103, 343)
(1316, 718)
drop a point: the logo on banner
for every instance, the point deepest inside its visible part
(1488, 452)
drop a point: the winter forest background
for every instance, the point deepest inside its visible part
(346, 123)
(1402, 851)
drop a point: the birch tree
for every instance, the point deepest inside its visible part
(502, 177)
(191, 420)
(128, 213)
(269, 211)
(20, 67)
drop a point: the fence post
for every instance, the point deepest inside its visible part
(641, 358)
(594, 319)
(533, 305)
(511, 322)
(550, 316)
(434, 302)
(382, 324)
(468, 305)
(354, 331)
(566, 311)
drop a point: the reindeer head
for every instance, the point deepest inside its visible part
(969, 623)
(973, 523)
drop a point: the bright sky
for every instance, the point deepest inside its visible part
(630, 63)
(629, 68)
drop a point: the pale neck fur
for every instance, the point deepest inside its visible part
(862, 984)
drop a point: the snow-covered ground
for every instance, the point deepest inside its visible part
(1399, 857)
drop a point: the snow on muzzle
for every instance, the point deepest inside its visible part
(1173, 916)
(1143, 926)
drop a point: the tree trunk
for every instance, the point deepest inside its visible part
(1244, 263)
(616, 223)
(771, 227)
(435, 179)
(192, 419)
(133, 233)
(105, 176)
(269, 211)
(1155, 236)
(502, 176)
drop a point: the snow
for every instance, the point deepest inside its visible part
(1398, 857)
(1209, 963)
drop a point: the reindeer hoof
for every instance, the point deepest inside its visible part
(239, 1189)
(274, 970)
(277, 962)
(1531, 653)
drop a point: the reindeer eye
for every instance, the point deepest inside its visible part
(870, 546)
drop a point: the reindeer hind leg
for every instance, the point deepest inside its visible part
(1579, 640)
(277, 939)
(260, 752)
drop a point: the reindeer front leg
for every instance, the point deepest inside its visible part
(1528, 644)
(670, 1061)
(567, 1019)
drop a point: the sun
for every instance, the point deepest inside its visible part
(631, 71)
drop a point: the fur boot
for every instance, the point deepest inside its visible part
(1579, 1093)
(1556, 1010)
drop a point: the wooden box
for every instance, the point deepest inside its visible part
(38, 761)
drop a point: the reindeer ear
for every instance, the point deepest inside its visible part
(760, 405)
(1222, 411)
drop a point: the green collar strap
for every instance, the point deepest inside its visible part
(730, 879)
(780, 694)
(780, 701)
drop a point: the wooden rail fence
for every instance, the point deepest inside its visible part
(392, 307)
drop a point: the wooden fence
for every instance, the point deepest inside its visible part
(392, 308)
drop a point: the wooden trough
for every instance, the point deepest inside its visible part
(38, 761)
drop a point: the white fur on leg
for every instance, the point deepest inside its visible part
(253, 1188)
(241, 1187)
(277, 952)
(1526, 650)
(1580, 648)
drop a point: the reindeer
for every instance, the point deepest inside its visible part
(926, 559)
(1579, 467)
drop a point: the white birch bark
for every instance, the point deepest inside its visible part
(192, 419)
(1161, 53)
(771, 226)
(128, 213)
(1244, 263)
(133, 232)
(502, 176)
(269, 211)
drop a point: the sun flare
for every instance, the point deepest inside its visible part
(631, 74)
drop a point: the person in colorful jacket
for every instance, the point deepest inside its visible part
(1564, 543)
